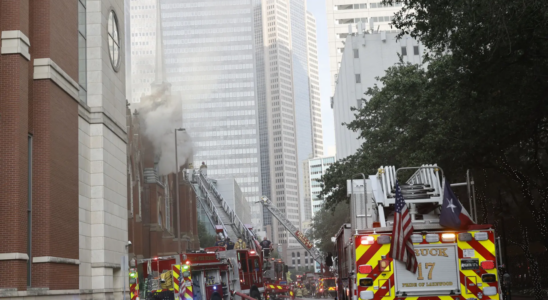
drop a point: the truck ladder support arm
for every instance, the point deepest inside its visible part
(315, 253)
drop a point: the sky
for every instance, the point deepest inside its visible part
(317, 8)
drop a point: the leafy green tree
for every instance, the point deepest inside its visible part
(481, 103)
(326, 224)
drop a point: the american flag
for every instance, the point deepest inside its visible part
(401, 247)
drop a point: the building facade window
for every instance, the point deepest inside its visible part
(356, 53)
(416, 50)
(359, 103)
(113, 40)
(82, 46)
(358, 78)
(403, 51)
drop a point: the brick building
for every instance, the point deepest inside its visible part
(152, 182)
(152, 206)
(63, 183)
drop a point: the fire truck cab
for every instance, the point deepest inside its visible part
(452, 264)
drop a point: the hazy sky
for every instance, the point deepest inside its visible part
(317, 8)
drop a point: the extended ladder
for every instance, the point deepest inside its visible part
(299, 236)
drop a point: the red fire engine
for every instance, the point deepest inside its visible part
(452, 264)
(196, 276)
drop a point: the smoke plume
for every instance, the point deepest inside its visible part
(161, 114)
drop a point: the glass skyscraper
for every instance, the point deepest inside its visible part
(210, 61)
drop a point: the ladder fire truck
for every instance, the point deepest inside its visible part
(452, 264)
(297, 234)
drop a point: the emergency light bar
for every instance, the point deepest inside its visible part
(432, 238)
(448, 237)
(416, 238)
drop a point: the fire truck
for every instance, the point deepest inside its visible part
(327, 287)
(452, 264)
(196, 276)
(297, 234)
(276, 285)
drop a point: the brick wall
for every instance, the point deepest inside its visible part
(14, 73)
(148, 238)
(50, 115)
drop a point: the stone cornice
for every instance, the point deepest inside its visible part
(14, 256)
(106, 265)
(53, 259)
(15, 42)
(46, 68)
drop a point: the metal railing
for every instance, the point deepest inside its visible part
(214, 217)
(384, 183)
(239, 227)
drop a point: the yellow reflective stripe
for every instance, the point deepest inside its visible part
(279, 287)
(489, 246)
(374, 263)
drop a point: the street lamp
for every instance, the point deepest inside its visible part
(177, 191)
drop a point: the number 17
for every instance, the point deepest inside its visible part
(426, 265)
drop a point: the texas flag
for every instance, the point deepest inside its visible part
(453, 214)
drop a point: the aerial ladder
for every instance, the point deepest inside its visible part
(298, 235)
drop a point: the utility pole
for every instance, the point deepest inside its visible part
(177, 192)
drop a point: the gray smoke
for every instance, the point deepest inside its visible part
(161, 115)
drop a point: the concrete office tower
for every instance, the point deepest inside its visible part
(292, 103)
(209, 54)
(345, 14)
(261, 100)
(63, 201)
(314, 169)
(142, 33)
(365, 57)
(314, 86)
(305, 66)
(281, 119)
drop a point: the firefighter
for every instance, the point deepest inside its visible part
(254, 292)
(229, 244)
(298, 292)
(220, 242)
(203, 169)
(266, 245)
(240, 244)
(329, 261)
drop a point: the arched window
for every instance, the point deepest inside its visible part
(292, 254)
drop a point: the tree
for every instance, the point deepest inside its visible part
(481, 103)
(206, 239)
(326, 224)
